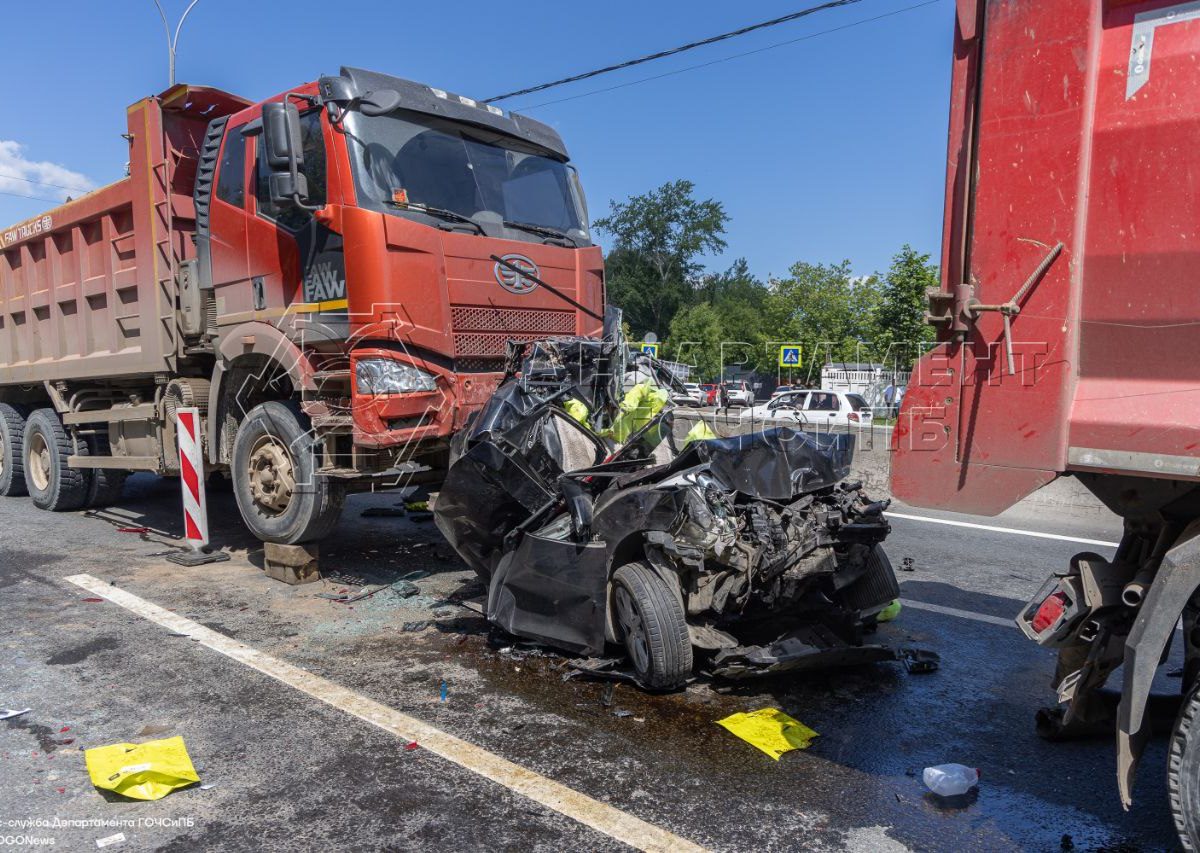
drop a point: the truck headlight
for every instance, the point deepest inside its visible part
(385, 376)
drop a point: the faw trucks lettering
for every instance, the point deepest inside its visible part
(14, 235)
(324, 283)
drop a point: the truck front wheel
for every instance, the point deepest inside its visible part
(46, 447)
(275, 481)
(12, 459)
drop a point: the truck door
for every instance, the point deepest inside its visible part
(295, 261)
(228, 228)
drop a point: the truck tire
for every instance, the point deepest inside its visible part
(650, 621)
(274, 466)
(1183, 771)
(12, 459)
(47, 446)
(106, 483)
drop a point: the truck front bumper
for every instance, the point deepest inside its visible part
(394, 420)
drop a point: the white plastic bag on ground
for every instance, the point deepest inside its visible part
(950, 780)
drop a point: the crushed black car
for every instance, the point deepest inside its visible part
(596, 524)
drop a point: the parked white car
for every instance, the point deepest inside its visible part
(740, 394)
(814, 409)
(694, 396)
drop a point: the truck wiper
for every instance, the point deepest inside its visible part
(541, 229)
(439, 212)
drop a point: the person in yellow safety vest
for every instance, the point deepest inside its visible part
(639, 406)
(637, 410)
(577, 409)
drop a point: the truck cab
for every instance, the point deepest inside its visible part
(384, 272)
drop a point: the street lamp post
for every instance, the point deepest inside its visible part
(173, 42)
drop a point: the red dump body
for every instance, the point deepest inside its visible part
(87, 289)
(1072, 121)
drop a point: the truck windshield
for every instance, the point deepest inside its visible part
(407, 159)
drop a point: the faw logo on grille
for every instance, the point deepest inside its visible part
(511, 280)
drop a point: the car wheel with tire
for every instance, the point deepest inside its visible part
(275, 481)
(46, 448)
(650, 621)
(1183, 771)
(12, 460)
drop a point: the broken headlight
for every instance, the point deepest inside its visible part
(386, 376)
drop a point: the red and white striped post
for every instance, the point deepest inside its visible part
(191, 467)
(191, 474)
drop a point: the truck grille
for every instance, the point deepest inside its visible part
(481, 332)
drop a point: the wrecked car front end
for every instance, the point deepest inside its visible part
(597, 524)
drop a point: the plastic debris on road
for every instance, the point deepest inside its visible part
(110, 839)
(9, 713)
(141, 771)
(890, 612)
(950, 780)
(770, 730)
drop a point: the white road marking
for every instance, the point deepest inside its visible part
(954, 611)
(590, 812)
(1034, 533)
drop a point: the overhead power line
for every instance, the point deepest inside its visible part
(824, 7)
(34, 197)
(673, 72)
(43, 183)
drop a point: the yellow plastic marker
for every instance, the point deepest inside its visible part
(771, 730)
(142, 771)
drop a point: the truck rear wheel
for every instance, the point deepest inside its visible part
(12, 459)
(274, 467)
(651, 622)
(1183, 771)
(46, 448)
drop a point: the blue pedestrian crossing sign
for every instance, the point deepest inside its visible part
(789, 355)
(650, 350)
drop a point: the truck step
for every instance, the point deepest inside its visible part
(126, 463)
(332, 421)
(323, 376)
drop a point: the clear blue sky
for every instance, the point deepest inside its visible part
(829, 148)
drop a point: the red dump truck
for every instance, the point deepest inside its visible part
(331, 276)
(1069, 322)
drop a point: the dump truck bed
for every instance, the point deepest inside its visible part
(1073, 123)
(88, 289)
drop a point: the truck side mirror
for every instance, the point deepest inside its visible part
(285, 154)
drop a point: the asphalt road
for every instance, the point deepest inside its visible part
(285, 771)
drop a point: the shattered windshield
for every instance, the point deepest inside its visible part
(406, 160)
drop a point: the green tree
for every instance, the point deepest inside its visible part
(729, 312)
(658, 238)
(900, 316)
(695, 339)
(825, 308)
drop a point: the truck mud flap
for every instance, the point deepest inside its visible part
(554, 591)
(1177, 580)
